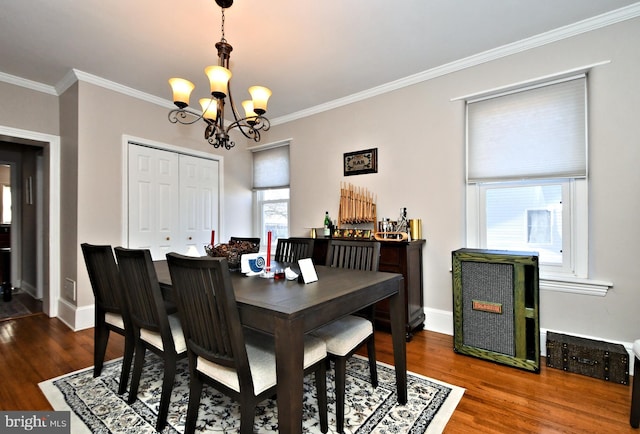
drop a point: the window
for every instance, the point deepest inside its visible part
(527, 174)
(271, 193)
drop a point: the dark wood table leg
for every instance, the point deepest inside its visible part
(396, 309)
(289, 338)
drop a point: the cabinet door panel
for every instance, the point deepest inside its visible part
(198, 202)
(173, 201)
(153, 193)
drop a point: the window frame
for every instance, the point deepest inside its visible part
(259, 224)
(573, 277)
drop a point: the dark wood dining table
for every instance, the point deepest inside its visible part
(287, 310)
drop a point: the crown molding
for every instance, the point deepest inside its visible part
(117, 87)
(600, 21)
(29, 84)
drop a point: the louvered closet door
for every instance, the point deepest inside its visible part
(198, 202)
(154, 217)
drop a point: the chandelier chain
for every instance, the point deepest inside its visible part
(222, 27)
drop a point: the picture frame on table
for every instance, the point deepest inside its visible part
(360, 162)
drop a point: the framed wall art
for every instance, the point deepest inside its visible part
(359, 162)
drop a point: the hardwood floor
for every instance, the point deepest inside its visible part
(498, 399)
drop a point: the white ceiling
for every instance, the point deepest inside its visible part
(308, 52)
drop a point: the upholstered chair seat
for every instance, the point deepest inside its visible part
(262, 362)
(343, 335)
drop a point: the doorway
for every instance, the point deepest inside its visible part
(35, 223)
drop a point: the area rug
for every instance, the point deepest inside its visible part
(97, 408)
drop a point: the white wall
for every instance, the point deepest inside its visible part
(419, 134)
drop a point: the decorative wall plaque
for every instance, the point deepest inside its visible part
(359, 162)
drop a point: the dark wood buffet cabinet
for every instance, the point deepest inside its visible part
(404, 257)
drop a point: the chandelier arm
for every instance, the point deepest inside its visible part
(251, 127)
(185, 117)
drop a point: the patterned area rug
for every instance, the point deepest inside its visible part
(97, 408)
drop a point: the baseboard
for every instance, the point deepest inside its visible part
(441, 321)
(76, 318)
(29, 289)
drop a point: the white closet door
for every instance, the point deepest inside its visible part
(154, 214)
(198, 202)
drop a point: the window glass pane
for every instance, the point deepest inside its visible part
(274, 215)
(526, 218)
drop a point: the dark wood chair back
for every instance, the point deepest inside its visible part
(146, 306)
(149, 311)
(209, 314)
(293, 249)
(109, 295)
(104, 278)
(355, 255)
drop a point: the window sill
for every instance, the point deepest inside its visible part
(575, 286)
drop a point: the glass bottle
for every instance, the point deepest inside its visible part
(327, 224)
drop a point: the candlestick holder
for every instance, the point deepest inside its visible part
(267, 273)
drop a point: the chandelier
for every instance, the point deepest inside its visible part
(216, 133)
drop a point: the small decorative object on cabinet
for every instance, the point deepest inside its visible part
(403, 257)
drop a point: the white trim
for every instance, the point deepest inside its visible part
(594, 23)
(28, 84)
(51, 308)
(526, 84)
(279, 143)
(576, 286)
(111, 85)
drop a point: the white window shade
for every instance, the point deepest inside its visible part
(271, 168)
(533, 133)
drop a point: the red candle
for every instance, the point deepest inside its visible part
(213, 238)
(269, 251)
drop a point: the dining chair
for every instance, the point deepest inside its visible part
(345, 335)
(234, 360)
(293, 249)
(111, 311)
(155, 327)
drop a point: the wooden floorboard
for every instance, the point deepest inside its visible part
(498, 399)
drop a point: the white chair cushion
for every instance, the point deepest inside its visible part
(114, 319)
(344, 334)
(176, 331)
(262, 362)
(636, 348)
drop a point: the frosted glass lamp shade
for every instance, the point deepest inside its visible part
(219, 77)
(251, 116)
(260, 95)
(209, 108)
(181, 91)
